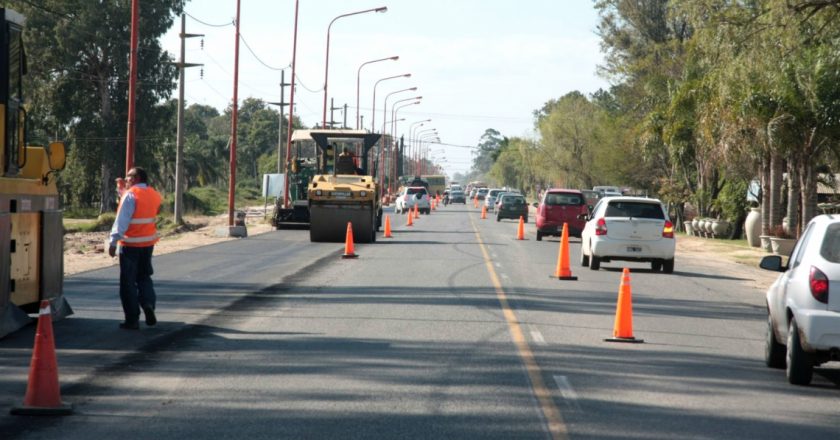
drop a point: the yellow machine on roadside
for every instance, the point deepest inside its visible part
(31, 231)
(344, 190)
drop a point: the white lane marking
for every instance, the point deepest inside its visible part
(493, 254)
(537, 337)
(498, 265)
(504, 276)
(566, 390)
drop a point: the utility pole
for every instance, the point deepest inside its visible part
(179, 149)
(281, 104)
(332, 109)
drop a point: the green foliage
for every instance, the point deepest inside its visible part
(731, 202)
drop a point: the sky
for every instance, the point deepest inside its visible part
(477, 64)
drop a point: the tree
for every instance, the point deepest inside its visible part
(78, 71)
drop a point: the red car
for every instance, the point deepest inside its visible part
(560, 206)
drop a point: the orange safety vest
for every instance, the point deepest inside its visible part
(141, 230)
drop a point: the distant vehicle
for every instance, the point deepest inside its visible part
(490, 198)
(591, 197)
(512, 206)
(613, 190)
(631, 229)
(410, 196)
(457, 196)
(437, 183)
(803, 316)
(481, 193)
(560, 206)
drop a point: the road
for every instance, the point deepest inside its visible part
(452, 329)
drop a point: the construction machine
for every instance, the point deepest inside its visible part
(341, 188)
(31, 230)
(301, 167)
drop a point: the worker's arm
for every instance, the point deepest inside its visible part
(124, 215)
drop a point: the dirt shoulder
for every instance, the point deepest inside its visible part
(84, 251)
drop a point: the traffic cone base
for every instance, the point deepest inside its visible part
(349, 251)
(563, 271)
(630, 340)
(43, 396)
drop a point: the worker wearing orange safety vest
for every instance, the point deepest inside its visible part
(135, 232)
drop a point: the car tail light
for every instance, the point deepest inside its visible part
(601, 227)
(819, 285)
(668, 230)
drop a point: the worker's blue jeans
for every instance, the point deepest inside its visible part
(136, 287)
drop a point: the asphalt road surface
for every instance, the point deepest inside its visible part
(452, 329)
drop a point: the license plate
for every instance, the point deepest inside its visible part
(634, 249)
(341, 193)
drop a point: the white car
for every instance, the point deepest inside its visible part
(410, 196)
(803, 304)
(491, 197)
(631, 229)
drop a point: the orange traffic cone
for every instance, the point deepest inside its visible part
(410, 218)
(349, 252)
(563, 271)
(475, 202)
(483, 212)
(434, 204)
(520, 232)
(388, 227)
(43, 396)
(416, 212)
(623, 328)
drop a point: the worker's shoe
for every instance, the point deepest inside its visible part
(151, 319)
(125, 325)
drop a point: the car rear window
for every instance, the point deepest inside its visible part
(558, 199)
(635, 209)
(416, 190)
(831, 243)
(513, 200)
(457, 193)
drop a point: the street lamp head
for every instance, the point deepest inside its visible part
(407, 75)
(413, 89)
(382, 9)
(395, 58)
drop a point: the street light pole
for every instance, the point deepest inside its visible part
(358, 76)
(395, 103)
(327, 60)
(373, 112)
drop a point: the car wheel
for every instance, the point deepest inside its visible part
(584, 259)
(498, 218)
(800, 366)
(525, 219)
(539, 236)
(656, 265)
(668, 266)
(774, 352)
(594, 262)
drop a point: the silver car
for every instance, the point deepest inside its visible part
(803, 304)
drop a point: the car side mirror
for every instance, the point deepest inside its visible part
(772, 262)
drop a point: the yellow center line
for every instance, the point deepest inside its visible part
(556, 426)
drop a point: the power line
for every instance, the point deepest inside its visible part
(208, 24)
(241, 37)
